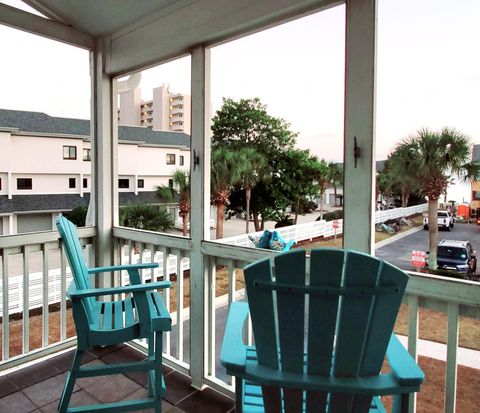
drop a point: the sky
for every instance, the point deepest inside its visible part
(428, 73)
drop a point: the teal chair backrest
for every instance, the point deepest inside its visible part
(342, 329)
(75, 257)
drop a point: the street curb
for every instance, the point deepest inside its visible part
(397, 237)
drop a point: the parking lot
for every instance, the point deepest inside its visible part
(399, 252)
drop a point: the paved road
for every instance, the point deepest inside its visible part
(399, 252)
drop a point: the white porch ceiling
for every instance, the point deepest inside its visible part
(101, 17)
(142, 33)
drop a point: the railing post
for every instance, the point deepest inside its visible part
(412, 341)
(200, 215)
(452, 345)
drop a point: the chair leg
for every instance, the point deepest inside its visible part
(70, 382)
(157, 388)
(151, 354)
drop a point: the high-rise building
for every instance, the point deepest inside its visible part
(166, 110)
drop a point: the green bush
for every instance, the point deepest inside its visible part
(78, 215)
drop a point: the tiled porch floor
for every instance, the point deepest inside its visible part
(37, 388)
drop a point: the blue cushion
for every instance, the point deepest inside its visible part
(262, 241)
(277, 243)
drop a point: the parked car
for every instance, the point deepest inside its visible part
(456, 255)
(444, 219)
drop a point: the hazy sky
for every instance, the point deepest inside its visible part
(428, 73)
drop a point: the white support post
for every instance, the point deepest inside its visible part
(200, 215)
(452, 347)
(359, 185)
(103, 140)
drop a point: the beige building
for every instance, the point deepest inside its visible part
(166, 110)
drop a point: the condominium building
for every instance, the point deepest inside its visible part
(165, 111)
(45, 166)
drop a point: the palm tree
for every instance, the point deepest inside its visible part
(253, 169)
(180, 188)
(336, 177)
(322, 176)
(146, 216)
(225, 173)
(432, 158)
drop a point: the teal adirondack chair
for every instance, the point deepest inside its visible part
(320, 337)
(101, 323)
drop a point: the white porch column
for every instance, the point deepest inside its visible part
(103, 140)
(359, 185)
(200, 215)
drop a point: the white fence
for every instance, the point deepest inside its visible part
(323, 228)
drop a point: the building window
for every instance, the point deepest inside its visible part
(170, 183)
(87, 154)
(182, 160)
(72, 182)
(69, 152)
(170, 159)
(24, 183)
(123, 183)
(476, 195)
(141, 183)
(85, 183)
(0, 184)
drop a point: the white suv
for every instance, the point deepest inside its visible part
(444, 219)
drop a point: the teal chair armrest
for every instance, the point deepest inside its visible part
(97, 292)
(233, 355)
(404, 367)
(122, 267)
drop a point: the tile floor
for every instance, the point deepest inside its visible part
(37, 388)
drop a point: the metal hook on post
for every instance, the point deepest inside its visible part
(196, 159)
(356, 151)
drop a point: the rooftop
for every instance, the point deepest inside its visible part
(37, 122)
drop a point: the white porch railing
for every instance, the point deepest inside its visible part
(42, 265)
(223, 285)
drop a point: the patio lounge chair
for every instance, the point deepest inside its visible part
(320, 336)
(101, 323)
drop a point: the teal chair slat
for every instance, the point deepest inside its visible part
(141, 314)
(290, 268)
(327, 333)
(354, 324)
(325, 269)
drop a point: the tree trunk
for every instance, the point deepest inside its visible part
(256, 222)
(432, 232)
(248, 193)
(220, 219)
(184, 224)
(321, 206)
(335, 195)
(296, 211)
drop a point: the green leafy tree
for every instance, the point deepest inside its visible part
(323, 177)
(180, 191)
(246, 123)
(225, 173)
(432, 158)
(147, 217)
